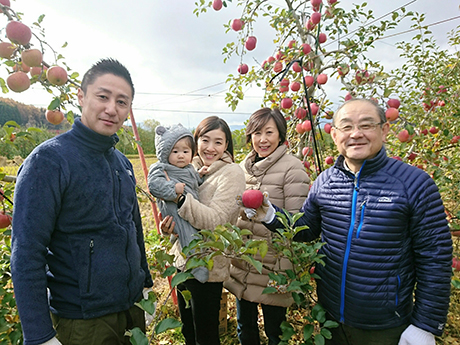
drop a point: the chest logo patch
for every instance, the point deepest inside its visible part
(384, 199)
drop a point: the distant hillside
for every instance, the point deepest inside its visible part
(24, 115)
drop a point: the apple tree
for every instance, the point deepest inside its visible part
(321, 53)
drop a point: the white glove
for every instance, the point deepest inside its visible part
(52, 341)
(265, 213)
(416, 336)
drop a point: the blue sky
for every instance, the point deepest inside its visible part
(174, 57)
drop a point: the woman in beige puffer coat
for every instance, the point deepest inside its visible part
(269, 168)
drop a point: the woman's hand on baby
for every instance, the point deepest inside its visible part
(167, 225)
(203, 170)
(179, 188)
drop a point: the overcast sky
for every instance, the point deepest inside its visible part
(175, 58)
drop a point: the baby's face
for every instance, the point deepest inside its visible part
(181, 154)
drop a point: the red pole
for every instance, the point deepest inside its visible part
(146, 173)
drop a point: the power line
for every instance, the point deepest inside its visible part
(194, 111)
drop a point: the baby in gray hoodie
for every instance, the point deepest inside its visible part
(172, 176)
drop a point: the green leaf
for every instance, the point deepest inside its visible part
(326, 333)
(252, 261)
(55, 104)
(180, 278)
(137, 337)
(308, 331)
(263, 249)
(147, 305)
(166, 324)
(269, 290)
(331, 324)
(319, 339)
(287, 331)
(169, 272)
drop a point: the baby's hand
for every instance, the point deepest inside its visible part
(203, 170)
(179, 188)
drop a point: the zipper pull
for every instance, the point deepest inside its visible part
(91, 247)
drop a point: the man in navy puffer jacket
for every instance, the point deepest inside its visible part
(385, 234)
(76, 225)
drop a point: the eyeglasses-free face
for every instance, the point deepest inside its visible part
(358, 133)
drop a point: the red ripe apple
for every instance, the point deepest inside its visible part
(314, 108)
(278, 67)
(5, 3)
(2, 192)
(296, 67)
(5, 220)
(306, 164)
(327, 128)
(32, 57)
(18, 33)
(321, 78)
(295, 86)
(306, 48)
(56, 75)
(39, 71)
(403, 136)
(21, 67)
(362, 76)
(299, 129)
(310, 26)
(18, 81)
(284, 82)
(394, 103)
(331, 2)
(391, 114)
(315, 17)
(271, 59)
(54, 116)
(316, 3)
(250, 43)
(412, 156)
(441, 103)
(306, 125)
(307, 151)
(265, 65)
(343, 70)
(424, 131)
(322, 37)
(217, 5)
(279, 55)
(309, 80)
(292, 44)
(329, 160)
(433, 130)
(6, 50)
(243, 69)
(456, 264)
(237, 24)
(252, 198)
(300, 113)
(348, 96)
(455, 139)
(286, 103)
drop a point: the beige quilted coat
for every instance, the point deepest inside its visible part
(217, 205)
(284, 177)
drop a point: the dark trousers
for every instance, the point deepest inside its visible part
(346, 335)
(200, 322)
(105, 330)
(248, 329)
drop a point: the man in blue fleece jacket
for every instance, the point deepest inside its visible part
(77, 240)
(388, 249)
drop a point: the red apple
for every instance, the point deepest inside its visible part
(56, 75)
(296, 67)
(217, 5)
(250, 43)
(300, 113)
(316, 3)
(306, 164)
(278, 67)
(362, 76)
(307, 151)
(394, 103)
(237, 24)
(295, 86)
(6, 50)
(252, 198)
(434, 130)
(18, 81)
(39, 71)
(299, 129)
(321, 78)
(315, 17)
(18, 32)
(292, 44)
(322, 37)
(331, 2)
(348, 96)
(456, 263)
(54, 116)
(286, 103)
(5, 3)
(306, 48)
(424, 131)
(279, 55)
(403, 136)
(309, 80)
(306, 125)
(329, 160)
(327, 128)
(32, 57)
(21, 67)
(343, 70)
(314, 108)
(243, 69)
(5, 220)
(2, 192)
(391, 114)
(309, 26)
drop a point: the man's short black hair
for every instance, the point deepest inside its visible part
(106, 66)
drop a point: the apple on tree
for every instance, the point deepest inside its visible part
(237, 24)
(18, 81)
(391, 114)
(327, 128)
(309, 80)
(329, 160)
(5, 220)
(286, 103)
(54, 117)
(18, 32)
(6, 50)
(56, 75)
(32, 57)
(250, 43)
(321, 79)
(4, 3)
(300, 113)
(217, 5)
(243, 69)
(295, 86)
(394, 103)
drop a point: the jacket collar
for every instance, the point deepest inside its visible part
(224, 160)
(89, 138)
(259, 168)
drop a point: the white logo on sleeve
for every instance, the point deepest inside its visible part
(384, 199)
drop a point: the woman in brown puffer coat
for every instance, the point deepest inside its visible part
(269, 168)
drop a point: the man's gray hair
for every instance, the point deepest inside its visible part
(380, 111)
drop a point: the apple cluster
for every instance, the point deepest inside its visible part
(27, 60)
